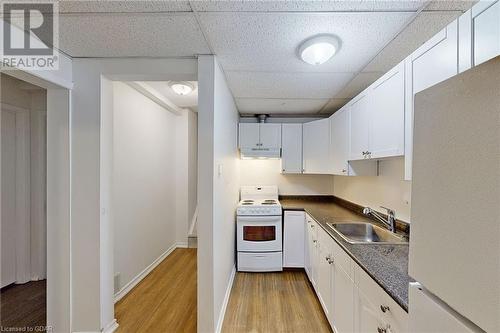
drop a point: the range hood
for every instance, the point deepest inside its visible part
(260, 153)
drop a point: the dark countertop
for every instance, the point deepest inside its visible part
(386, 264)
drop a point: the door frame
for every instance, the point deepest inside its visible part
(23, 200)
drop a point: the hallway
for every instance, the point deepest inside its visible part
(165, 301)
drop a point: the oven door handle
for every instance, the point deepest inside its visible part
(266, 219)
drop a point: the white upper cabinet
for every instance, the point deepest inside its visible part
(249, 135)
(291, 151)
(316, 147)
(339, 141)
(486, 31)
(387, 114)
(359, 124)
(433, 62)
(257, 135)
(270, 136)
(376, 118)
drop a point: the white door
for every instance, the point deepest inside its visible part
(486, 28)
(308, 247)
(293, 242)
(8, 208)
(433, 62)
(270, 136)
(430, 315)
(248, 135)
(313, 253)
(324, 270)
(291, 150)
(342, 300)
(387, 114)
(316, 146)
(359, 124)
(339, 141)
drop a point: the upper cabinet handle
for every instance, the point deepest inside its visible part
(384, 308)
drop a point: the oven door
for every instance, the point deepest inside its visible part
(259, 233)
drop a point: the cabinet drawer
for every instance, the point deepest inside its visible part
(394, 315)
(343, 260)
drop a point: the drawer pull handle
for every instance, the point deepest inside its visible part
(384, 308)
(381, 330)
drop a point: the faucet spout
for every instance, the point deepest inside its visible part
(391, 217)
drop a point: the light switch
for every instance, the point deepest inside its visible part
(219, 170)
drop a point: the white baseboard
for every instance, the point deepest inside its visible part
(182, 244)
(225, 301)
(129, 286)
(111, 327)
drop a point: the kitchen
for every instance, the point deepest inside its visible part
(371, 269)
(338, 172)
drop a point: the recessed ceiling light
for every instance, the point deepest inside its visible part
(181, 88)
(319, 49)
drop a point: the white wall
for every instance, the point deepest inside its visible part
(144, 202)
(388, 189)
(267, 172)
(192, 164)
(218, 192)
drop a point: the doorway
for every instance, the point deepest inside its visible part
(153, 194)
(23, 121)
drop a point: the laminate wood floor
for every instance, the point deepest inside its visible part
(165, 301)
(274, 302)
(23, 305)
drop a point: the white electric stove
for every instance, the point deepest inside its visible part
(259, 230)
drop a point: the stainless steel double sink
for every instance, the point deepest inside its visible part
(365, 233)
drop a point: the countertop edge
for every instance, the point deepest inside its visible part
(360, 264)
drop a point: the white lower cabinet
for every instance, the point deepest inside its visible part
(293, 239)
(351, 300)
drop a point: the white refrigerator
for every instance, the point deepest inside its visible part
(455, 213)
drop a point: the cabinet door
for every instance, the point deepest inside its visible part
(387, 114)
(359, 123)
(316, 146)
(291, 151)
(343, 301)
(324, 271)
(270, 136)
(486, 28)
(433, 62)
(366, 316)
(339, 141)
(312, 255)
(248, 135)
(293, 239)
(307, 248)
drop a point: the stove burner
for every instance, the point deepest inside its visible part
(269, 203)
(247, 203)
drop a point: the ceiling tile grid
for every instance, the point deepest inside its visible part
(269, 42)
(256, 41)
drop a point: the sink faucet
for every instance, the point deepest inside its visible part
(391, 217)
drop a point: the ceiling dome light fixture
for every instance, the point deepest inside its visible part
(181, 88)
(319, 49)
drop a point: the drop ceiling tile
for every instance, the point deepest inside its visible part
(269, 41)
(299, 6)
(286, 85)
(425, 25)
(359, 83)
(279, 105)
(334, 104)
(120, 35)
(122, 6)
(461, 5)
